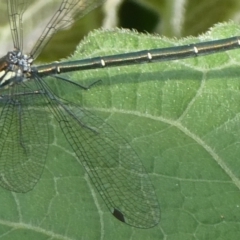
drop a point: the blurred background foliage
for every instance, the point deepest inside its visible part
(171, 18)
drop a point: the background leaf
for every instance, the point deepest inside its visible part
(182, 17)
(182, 118)
(176, 18)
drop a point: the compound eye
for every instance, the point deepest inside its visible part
(3, 63)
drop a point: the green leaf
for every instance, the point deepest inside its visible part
(182, 118)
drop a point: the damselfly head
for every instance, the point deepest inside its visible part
(15, 67)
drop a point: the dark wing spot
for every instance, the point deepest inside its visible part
(117, 214)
